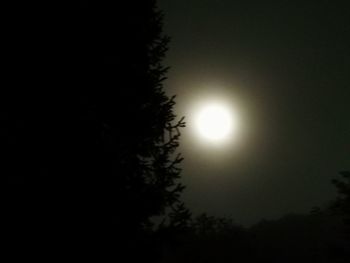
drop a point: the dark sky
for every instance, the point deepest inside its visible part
(287, 66)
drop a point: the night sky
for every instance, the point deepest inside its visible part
(285, 66)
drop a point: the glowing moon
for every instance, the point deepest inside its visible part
(215, 122)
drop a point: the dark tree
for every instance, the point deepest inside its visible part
(131, 117)
(90, 143)
(341, 207)
(342, 204)
(211, 239)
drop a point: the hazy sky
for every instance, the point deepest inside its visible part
(285, 66)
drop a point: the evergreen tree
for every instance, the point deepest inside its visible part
(93, 144)
(130, 119)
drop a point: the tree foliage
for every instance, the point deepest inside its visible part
(342, 204)
(91, 142)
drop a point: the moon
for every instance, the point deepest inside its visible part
(215, 122)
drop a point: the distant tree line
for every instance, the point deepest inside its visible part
(320, 236)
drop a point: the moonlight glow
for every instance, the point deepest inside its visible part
(215, 122)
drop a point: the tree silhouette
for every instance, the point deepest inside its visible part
(210, 239)
(91, 151)
(341, 207)
(342, 203)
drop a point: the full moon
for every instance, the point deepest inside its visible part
(215, 122)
